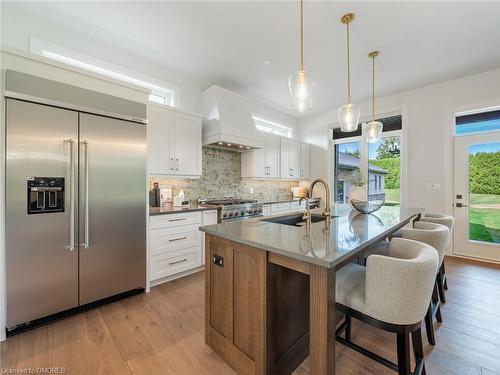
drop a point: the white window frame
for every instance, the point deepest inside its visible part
(363, 152)
(157, 89)
(268, 126)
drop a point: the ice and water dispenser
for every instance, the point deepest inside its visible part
(45, 194)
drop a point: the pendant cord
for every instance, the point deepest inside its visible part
(373, 87)
(348, 67)
(302, 35)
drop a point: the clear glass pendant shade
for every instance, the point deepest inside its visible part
(348, 117)
(300, 88)
(373, 131)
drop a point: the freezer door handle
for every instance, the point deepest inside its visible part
(71, 245)
(86, 218)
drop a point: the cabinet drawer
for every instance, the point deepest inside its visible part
(172, 263)
(210, 217)
(280, 207)
(167, 240)
(174, 220)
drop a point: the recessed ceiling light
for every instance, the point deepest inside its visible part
(248, 147)
(229, 144)
(240, 146)
(221, 143)
(267, 62)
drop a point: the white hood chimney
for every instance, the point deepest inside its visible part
(228, 121)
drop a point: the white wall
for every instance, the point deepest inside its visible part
(429, 131)
(18, 26)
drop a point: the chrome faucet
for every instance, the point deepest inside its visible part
(307, 213)
(327, 211)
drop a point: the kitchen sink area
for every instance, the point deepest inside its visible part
(296, 220)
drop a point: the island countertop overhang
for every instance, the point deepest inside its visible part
(326, 245)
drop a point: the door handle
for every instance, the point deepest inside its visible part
(171, 164)
(71, 246)
(177, 164)
(86, 219)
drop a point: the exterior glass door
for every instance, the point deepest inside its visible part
(384, 167)
(347, 168)
(477, 195)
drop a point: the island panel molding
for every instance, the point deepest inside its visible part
(235, 304)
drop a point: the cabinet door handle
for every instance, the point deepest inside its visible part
(171, 164)
(180, 219)
(177, 164)
(177, 262)
(177, 239)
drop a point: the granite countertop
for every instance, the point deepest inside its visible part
(325, 245)
(153, 211)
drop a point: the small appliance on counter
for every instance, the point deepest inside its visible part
(299, 192)
(165, 197)
(154, 195)
(180, 200)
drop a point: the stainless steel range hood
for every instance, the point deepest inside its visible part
(228, 121)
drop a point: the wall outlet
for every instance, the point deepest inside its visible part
(434, 186)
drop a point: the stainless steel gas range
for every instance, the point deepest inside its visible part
(234, 209)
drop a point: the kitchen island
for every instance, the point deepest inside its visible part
(270, 285)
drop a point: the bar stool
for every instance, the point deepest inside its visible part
(391, 293)
(435, 235)
(448, 221)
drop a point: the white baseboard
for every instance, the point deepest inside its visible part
(176, 276)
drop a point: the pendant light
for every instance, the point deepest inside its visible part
(300, 86)
(373, 129)
(349, 113)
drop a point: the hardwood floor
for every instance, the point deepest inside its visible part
(162, 333)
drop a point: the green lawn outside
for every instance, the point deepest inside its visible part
(484, 199)
(392, 196)
(484, 224)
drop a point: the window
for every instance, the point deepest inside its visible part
(272, 127)
(160, 92)
(377, 164)
(479, 122)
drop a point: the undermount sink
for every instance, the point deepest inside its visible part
(294, 220)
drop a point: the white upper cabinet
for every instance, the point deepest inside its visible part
(160, 124)
(290, 159)
(305, 161)
(174, 142)
(280, 158)
(273, 156)
(263, 162)
(187, 136)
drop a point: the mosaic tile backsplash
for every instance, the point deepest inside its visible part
(221, 178)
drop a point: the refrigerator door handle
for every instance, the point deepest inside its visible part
(86, 242)
(71, 245)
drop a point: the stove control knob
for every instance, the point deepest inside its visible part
(237, 213)
(225, 214)
(260, 210)
(230, 214)
(243, 212)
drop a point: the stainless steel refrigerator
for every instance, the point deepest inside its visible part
(75, 209)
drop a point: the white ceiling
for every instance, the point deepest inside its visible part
(227, 42)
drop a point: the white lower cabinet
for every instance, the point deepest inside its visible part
(266, 210)
(174, 244)
(209, 217)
